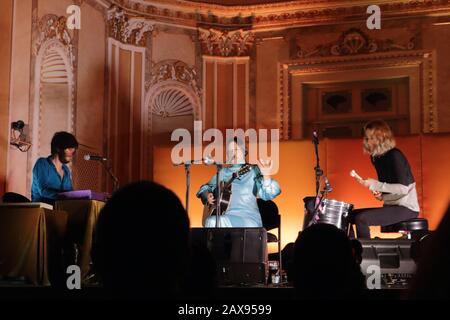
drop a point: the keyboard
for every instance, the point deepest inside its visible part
(82, 194)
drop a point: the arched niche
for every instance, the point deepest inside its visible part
(53, 106)
(171, 105)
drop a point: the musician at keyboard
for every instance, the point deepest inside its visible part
(51, 175)
(242, 210)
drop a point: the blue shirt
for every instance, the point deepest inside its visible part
(47, 183)
(242, 210)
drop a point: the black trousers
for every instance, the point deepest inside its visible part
(363, 218)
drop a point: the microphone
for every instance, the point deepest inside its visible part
(315, 138)
(328, 187)
(207, 160)
(94, 158)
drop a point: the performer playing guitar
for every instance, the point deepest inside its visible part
(242, 210)
(225, 192)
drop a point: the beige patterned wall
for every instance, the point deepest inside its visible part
(19, 106)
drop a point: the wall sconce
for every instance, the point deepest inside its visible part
(19, 136)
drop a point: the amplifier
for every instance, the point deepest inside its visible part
(392, 257)
(240, 254)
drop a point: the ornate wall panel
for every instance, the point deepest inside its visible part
(173, 99)
(54, 85)
(125, 115)
(356, 57)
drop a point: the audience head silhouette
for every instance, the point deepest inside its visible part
(432, 280)
(142, 241)
(324, 264)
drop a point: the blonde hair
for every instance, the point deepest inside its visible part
(382, 134)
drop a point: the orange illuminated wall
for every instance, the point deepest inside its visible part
(429, 157)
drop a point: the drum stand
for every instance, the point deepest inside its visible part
(319, 200)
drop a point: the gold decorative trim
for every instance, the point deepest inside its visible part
(53, 27)
(175, 70)
(350, 12)
(292, 13)
(354, 41)
(128, 30)
(226, 43)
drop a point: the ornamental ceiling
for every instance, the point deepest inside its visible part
(261, 15)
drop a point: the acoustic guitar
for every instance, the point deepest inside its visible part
(225, 192)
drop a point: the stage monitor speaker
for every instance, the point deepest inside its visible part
(392, 257)
(240, 254)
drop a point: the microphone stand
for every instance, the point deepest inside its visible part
(113, 177)
(318, 171)
(187, 170)
(218, 191)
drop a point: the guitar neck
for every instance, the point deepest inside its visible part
(233, 177)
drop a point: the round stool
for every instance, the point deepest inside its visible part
(412, 229)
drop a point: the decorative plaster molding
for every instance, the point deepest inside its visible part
(226, 43)
(52, 27)
(265, 16)
(354, 41)
(425, 60)
(348, 11)
(125, 29)
(175, 70)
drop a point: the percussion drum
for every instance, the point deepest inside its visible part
(336, 213)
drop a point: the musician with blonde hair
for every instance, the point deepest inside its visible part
(395, 186)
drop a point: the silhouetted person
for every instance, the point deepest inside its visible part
(201, 280)
(432, 280)
(141, 245)
(324, 266)
(357, 250)
(287, 256)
